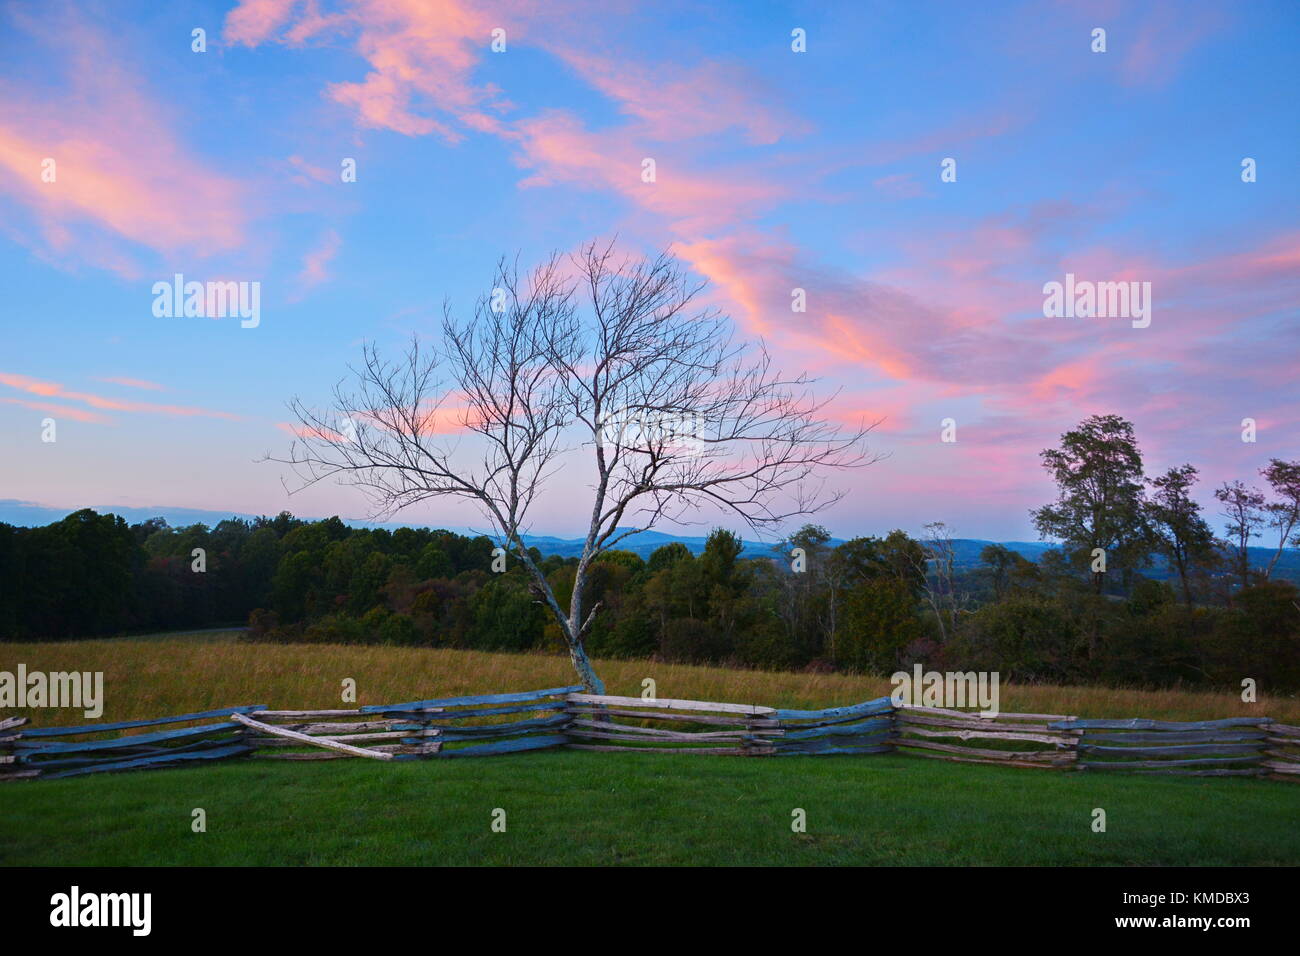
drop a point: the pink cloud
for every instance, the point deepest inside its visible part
(423, 55)
(320, 434)
(309, 172)
(54, 390)
(670, 102)
(67, 411)
(1153, 50)
(560, 149)
(445, 419)
(970, 337)
(889, 411)
(315, 266)
(254, 21)
(134, 383)
(117, 166)
(950, 324)
(900, 186)
(855, 323)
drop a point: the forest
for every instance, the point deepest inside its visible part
(1090, 611)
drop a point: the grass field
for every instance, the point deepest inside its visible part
(570, 808)
(584, 808)
(159, 675)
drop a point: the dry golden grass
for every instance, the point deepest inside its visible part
(162, 676)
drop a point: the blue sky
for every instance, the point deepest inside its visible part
(776, 169)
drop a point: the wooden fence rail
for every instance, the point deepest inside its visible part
(1017, 740)
(334, 735)
(473, 726)
(10, 734)
(1221, 748)
(32, 752)
(866, 728)
(1282, 751)
(626, 724)
(493, 724)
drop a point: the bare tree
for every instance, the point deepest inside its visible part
(673, 419)
(936, 564)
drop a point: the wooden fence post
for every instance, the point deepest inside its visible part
(9, 737)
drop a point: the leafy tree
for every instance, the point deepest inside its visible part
(721, 550)
(895, 556)
(80, 575)
(364, 588)
(1024, 637)
(1258, 637)
(1283, 478)
(1182, 535)
(1098, 474)
(148, 527)
(433, 563)
(676, 591)
(693, 641)
(879, 624)
(506, 617)
(1005, 568)
(669, 554)
(1244, 510)
(12, 616)
(803, 607)
(281, 524)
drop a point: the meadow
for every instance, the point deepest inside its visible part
(155, 675)
(572, 808)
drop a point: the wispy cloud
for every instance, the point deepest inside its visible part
(46, 389)
(315, 264)
(66, 411)
(133, 383)
(119, 169)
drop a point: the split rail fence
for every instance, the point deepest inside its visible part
(494, 724)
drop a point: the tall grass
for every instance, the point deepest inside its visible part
(161, 675)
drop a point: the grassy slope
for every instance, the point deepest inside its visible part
(582, 808)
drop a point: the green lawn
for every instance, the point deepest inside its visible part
(570, 807)
(595, 808)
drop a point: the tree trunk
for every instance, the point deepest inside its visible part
(1182, 576)
(591, 683)
(570, 626)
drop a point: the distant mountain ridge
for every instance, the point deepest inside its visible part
(966, 550)
(27, 514)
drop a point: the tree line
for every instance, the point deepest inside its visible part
(868, 604)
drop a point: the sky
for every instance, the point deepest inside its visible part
(776, 168)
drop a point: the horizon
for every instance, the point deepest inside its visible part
(777, 171)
